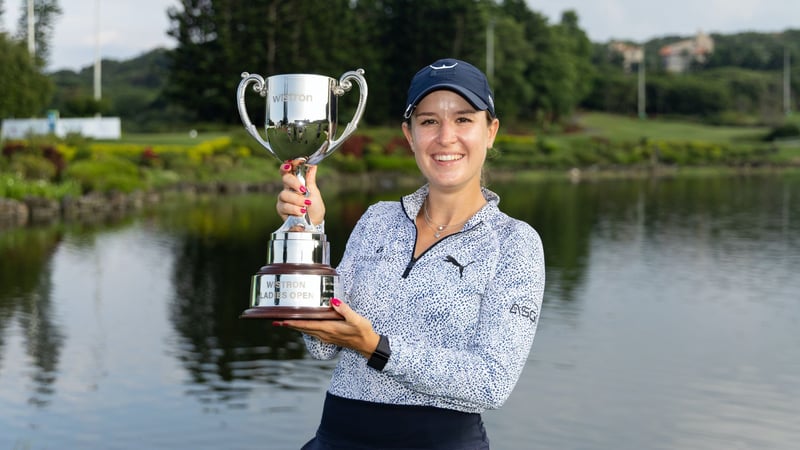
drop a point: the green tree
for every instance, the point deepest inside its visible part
(390, 39)
(45, 13)
(25, 90)
(535, 59)
(577, 66)
(541, 71)
(217, 40)
(512, 56)
(558, 68)
(685, 95)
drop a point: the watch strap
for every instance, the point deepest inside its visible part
(381, 355)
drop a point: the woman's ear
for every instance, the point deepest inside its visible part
(407, 133)
(494, 125)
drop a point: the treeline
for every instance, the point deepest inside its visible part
(541, 71)
(539, 68)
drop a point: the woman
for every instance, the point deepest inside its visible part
(443, 290)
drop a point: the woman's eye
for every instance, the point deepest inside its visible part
(464, 120)
(427, 122)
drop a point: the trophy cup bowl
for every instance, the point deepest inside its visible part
(302, 115)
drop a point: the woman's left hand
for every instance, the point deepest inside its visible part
(354, 332)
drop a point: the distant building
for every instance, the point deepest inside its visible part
(678, 56)
(631, 54)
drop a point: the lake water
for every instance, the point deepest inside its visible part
(671, 320)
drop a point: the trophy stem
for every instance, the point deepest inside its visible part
(299, 223)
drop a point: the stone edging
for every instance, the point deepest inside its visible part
(93, 206)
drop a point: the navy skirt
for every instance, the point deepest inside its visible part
(358, 425)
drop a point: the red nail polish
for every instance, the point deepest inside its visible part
(302, 210)
(303, 189)
(287, 166)
(336, 302)
(307, 202)
(277, 324)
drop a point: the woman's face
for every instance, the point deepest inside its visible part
(449, 139)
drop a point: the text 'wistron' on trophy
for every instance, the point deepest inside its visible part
(302, 112)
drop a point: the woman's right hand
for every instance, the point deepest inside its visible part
(292, 200)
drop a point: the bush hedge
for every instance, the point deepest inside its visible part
(53, 167)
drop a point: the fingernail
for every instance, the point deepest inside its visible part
(336, 302)
(286, 166)
(307, 202)
(303, 189)
(302, 210)
(277, 324)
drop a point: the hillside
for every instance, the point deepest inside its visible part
(131, 89)
(741, 83)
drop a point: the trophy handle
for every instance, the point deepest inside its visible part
(345, 85)
(260, 87)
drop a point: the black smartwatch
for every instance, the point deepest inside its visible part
(381, 355)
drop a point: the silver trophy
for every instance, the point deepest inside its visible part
(302, 114)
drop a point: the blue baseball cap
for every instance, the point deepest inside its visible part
(452, 74)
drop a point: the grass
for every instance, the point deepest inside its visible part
(613, 127)
(167, 138)
(620, 128)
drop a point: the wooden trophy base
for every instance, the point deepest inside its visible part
(291, 313)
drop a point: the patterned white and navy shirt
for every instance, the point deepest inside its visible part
(460, 318)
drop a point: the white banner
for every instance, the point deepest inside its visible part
(93, 127)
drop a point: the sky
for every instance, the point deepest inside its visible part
(128, 28)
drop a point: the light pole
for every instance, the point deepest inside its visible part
(787, 85)
(97, 63)
(641, 91)
(31, 29)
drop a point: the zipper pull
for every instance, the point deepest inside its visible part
(409, 267)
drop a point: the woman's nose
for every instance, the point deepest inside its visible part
(447, 133)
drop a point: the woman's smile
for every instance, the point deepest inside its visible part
(447, 157)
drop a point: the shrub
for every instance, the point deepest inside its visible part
(402, 164)
(12, 147)
(787, 130)
(204, 150)
(158, 178)
(221, 163)
(398, 145)
(17, 188)
(515, 151)
(355, 145)
(149, 158)
(32, 167)
(348, 163)
(106, 174)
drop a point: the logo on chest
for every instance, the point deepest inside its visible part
(460, 266)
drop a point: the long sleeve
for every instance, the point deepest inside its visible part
(461, 317)
(316, 348)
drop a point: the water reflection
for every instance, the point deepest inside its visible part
(671, 306)
(25, 302)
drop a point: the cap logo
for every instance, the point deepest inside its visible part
(443, 66)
